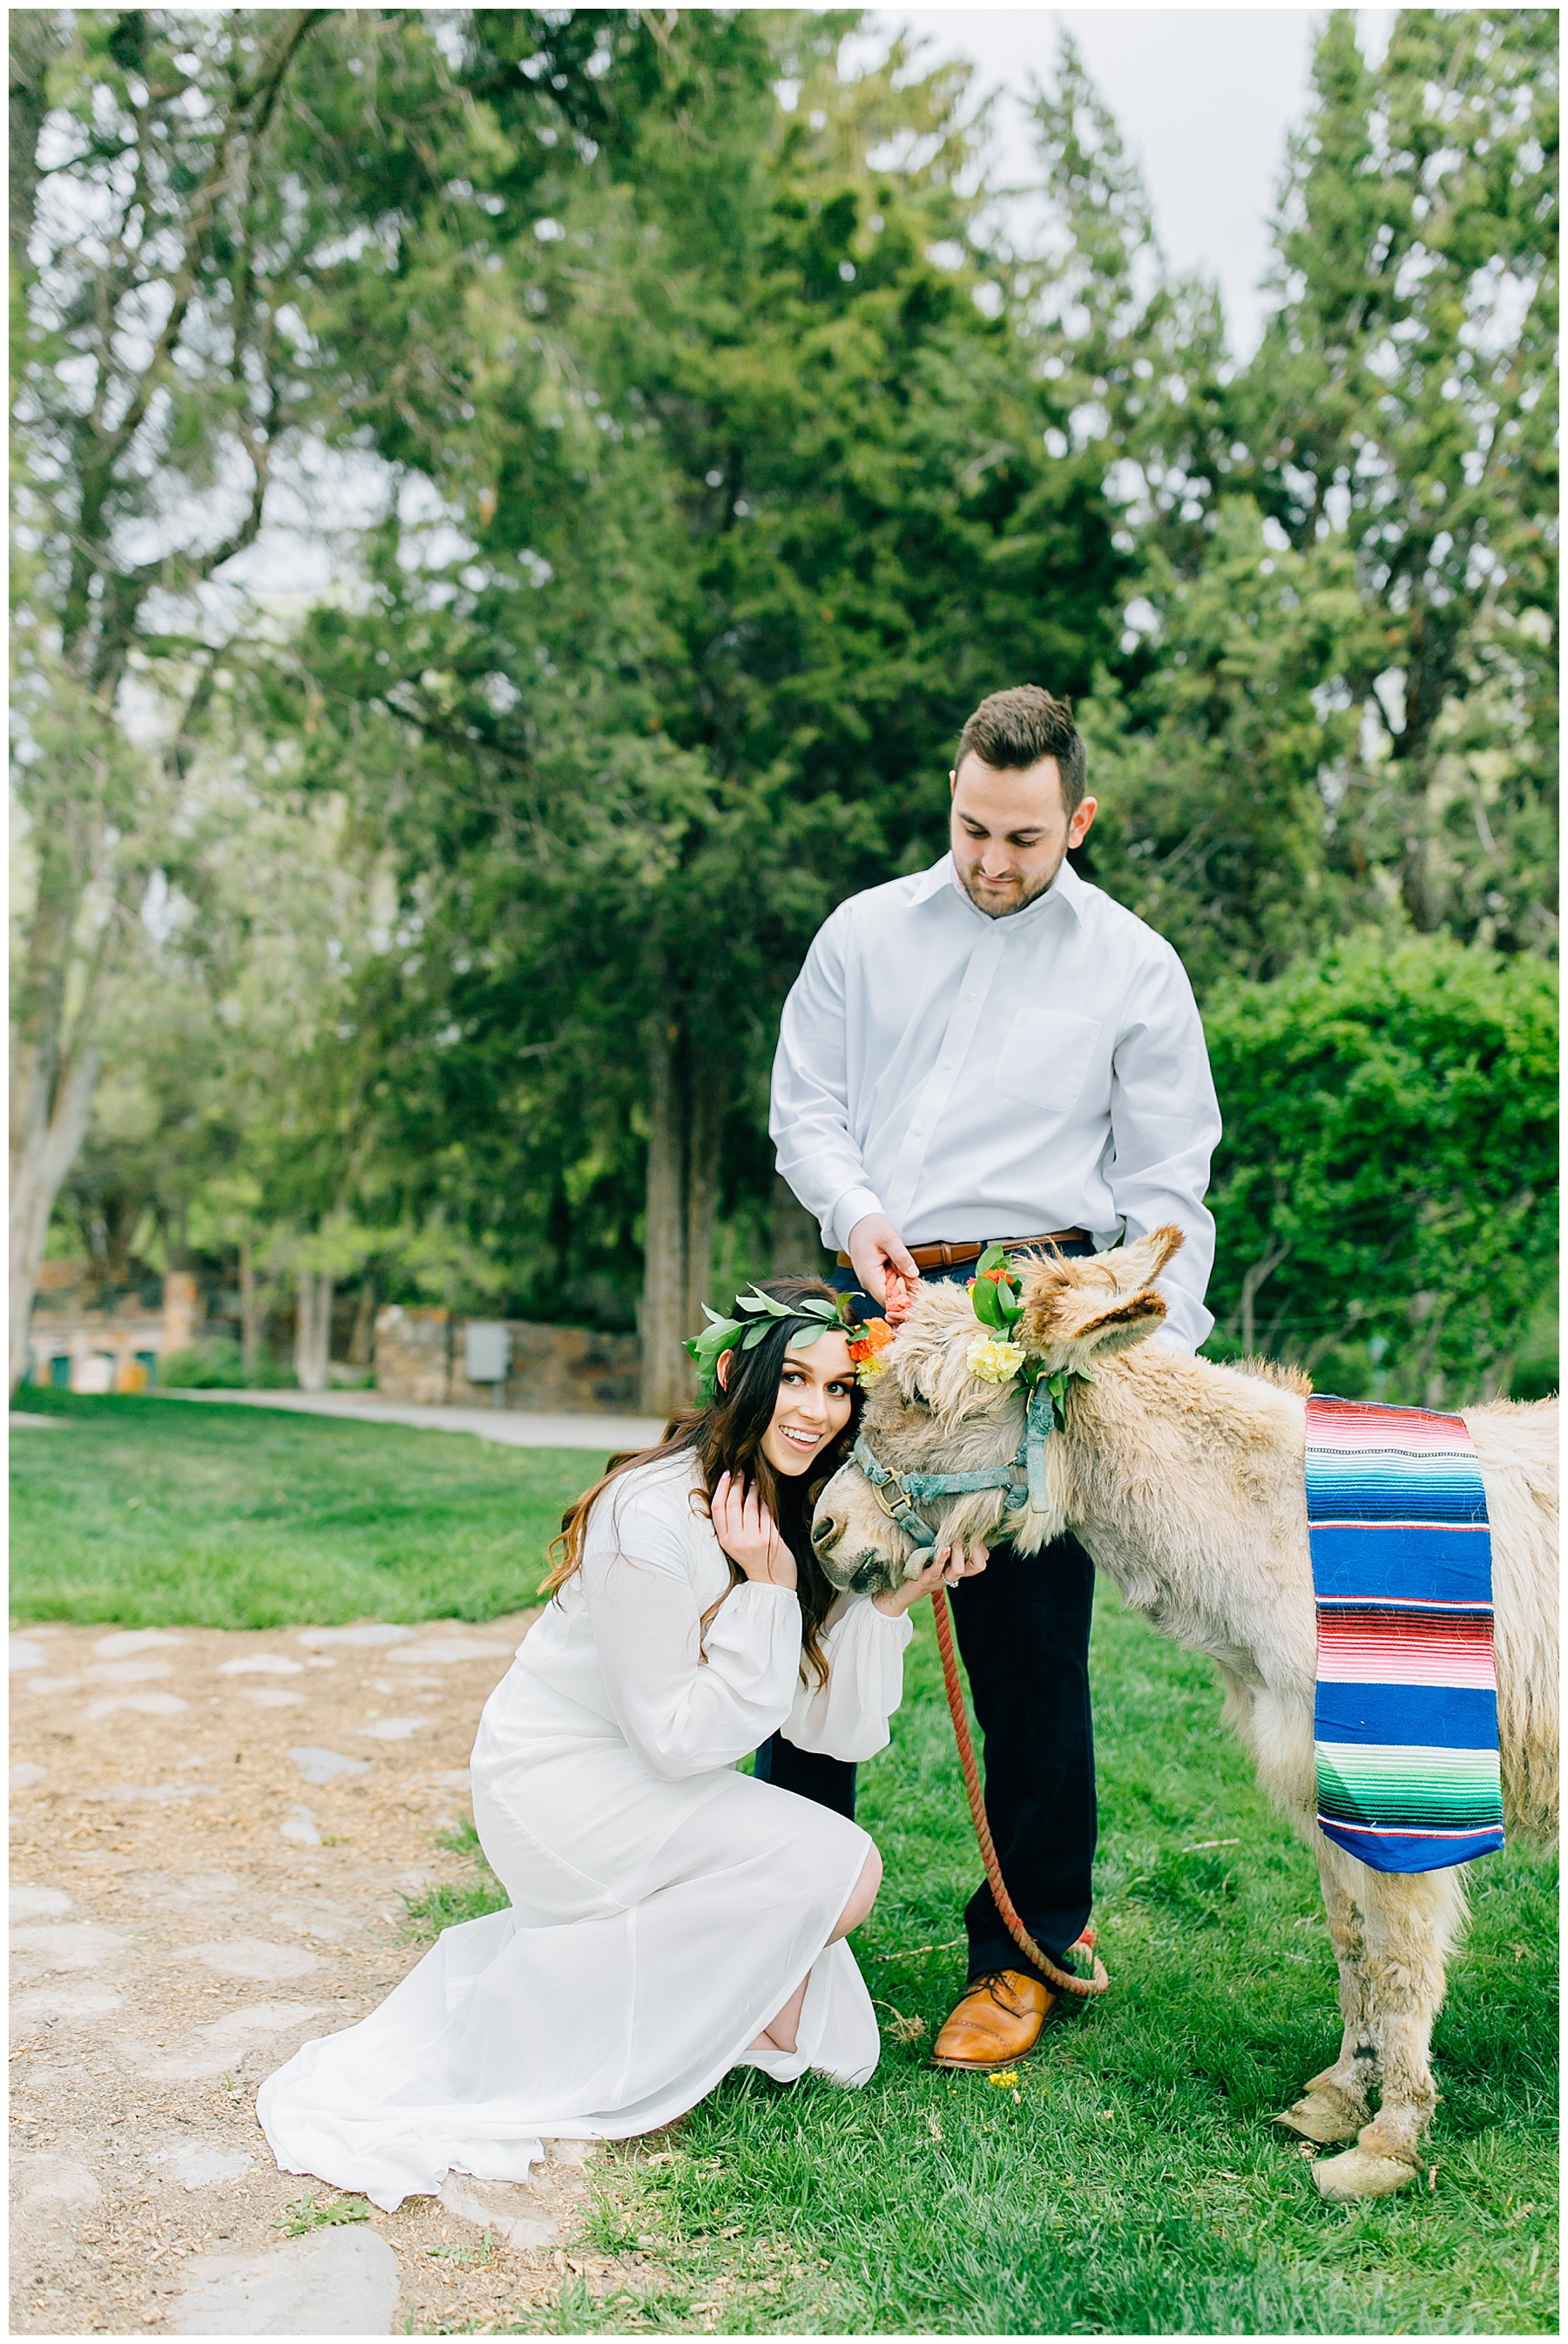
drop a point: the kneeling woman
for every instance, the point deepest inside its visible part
(670, 1918)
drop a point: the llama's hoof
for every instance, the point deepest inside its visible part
(1362, 2173)
(1323, 2114)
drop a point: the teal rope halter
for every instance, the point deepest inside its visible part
(1024, 1480)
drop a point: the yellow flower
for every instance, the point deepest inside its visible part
(992, 1360)
(1005, 2081)
(867, 1371)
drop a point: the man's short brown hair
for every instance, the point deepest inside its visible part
(1015, 729)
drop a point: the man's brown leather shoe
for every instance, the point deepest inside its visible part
(997, 2021)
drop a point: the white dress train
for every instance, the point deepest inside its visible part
(663, 1908)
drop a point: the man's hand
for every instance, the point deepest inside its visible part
(749, 1534)
(878, 1252)
(946, 1567)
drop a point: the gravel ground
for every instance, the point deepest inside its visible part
(212, 1837)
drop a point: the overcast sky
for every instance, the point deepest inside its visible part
(1204, 97)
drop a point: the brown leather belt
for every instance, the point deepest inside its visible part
(953, 1257)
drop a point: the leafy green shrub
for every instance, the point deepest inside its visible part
(218, 1366)
(1386, 1187)
(1535, 1363)
(203, 1366)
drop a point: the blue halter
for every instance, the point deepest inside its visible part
(1024, 1480)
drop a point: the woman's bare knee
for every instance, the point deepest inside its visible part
(862, 1897)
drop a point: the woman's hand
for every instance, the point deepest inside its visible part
(749, 1534)
(946, 1567)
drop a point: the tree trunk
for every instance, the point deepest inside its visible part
(46, 1132)
(37, 36)
(795, 1249)
(252, 1311)
(53, 1072)
(705, 1114)
(313, 1329)
(1261, 1271)
(687, 1101)
(665, 1383)
(361, 1341)
(182, 1306)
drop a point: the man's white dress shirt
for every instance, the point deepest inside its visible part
(973, 1078)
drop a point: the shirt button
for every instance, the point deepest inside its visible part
(947, 1066)
(972, 996)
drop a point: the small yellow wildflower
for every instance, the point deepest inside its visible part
(993, 1360)
(1004, 2082)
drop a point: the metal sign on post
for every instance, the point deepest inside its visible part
(487, 1355)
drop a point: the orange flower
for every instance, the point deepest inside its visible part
(874, 1337)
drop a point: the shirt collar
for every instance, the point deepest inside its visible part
(1066, 885)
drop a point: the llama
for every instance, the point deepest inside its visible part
(1185, 1483)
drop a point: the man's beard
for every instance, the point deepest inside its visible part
(1034, 889)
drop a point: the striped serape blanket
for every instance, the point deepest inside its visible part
(1406, 1720)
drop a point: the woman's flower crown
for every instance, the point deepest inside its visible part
(994, 1356)
(762, 1311)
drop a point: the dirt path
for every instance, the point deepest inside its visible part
(212, 1837)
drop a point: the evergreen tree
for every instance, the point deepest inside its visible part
(1403, 404)
(727, 451)
(735, 570)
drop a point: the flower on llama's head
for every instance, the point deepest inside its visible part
(991, 1359)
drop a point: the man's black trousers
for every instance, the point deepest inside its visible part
(1023, 1629)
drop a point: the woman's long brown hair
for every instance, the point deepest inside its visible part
(727, 1437)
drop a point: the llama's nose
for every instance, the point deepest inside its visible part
(825, 1533)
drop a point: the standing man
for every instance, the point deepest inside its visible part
(993, 1049)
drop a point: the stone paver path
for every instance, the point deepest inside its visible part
(212, 1837)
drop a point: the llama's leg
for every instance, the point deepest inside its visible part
(1336, 2104)
(1410, 1921)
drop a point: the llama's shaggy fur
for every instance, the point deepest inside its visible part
(1186, 1483)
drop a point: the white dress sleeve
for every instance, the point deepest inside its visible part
(684, 1707)
(848, 1717)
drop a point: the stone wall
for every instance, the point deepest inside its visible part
(411, 1349)
(100, 1338)
(559, 1371)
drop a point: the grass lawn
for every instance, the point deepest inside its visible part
(165, 1513)
(1130, 2181)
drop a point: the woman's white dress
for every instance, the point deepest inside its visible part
(663, 1907)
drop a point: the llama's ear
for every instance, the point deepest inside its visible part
(1113, 1330)
(1075, 1308)
(1138, 1265)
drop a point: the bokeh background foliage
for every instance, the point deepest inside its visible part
(512, 509)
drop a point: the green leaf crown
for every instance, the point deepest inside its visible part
(761, 1314)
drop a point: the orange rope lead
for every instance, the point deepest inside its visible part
(1065, 1979)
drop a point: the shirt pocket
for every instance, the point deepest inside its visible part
(1046, 1058)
